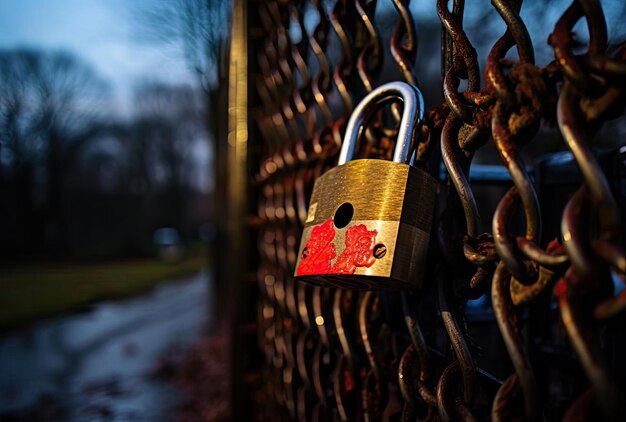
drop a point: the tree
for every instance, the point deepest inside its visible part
(168, 123)
(200, 28)
(49, 104)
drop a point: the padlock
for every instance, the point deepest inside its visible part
(369, 220)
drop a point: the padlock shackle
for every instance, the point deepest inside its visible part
(412, 113)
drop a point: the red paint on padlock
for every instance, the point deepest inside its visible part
(359, 250)
(320, 250)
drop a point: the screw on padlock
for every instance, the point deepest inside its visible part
(369, 220)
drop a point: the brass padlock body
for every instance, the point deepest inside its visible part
(394, 200)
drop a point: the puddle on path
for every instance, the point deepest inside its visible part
(96, 365)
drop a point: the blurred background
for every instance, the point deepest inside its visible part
(110, 115)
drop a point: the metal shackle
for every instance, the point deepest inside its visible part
(413, 112)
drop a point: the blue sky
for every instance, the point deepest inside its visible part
(105, 33)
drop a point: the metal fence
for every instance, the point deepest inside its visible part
(519, 314)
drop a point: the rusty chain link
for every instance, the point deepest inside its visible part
(339, 354)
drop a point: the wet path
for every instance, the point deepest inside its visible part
(95, 365)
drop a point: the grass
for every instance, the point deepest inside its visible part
(31, 292)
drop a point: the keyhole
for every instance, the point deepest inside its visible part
(343, 215)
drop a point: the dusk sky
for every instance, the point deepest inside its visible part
(105, 33)
(113, 37)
